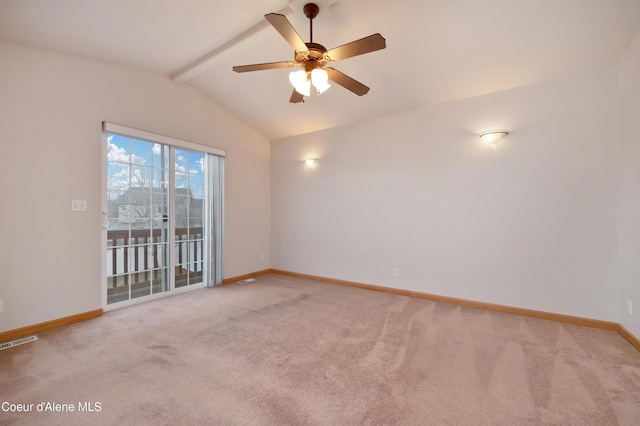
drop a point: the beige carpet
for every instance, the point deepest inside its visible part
(284, 350)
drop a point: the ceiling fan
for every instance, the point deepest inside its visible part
(313, 57)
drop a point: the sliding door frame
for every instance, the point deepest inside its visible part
(173, 143)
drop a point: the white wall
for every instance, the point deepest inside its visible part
(630, 185)
(51, 110)
(532, 224)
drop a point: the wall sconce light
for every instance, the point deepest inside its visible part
(492, 137)
(311, 162)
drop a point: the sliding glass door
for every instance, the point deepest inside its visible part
(162, 221)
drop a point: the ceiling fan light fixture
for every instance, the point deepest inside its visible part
(300, 81)
(320, 80)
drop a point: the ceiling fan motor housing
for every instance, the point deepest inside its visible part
(316, 53)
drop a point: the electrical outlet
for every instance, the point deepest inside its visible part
(629, 307)
(1, 306)
(78, 205)
(262, 258)
(396, 272)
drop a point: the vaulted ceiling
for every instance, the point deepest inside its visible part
(437, 50)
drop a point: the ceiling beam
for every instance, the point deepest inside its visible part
(224, 51)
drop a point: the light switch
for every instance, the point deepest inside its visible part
(78, 205)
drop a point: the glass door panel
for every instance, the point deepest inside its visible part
(189, 216)
(138, 211)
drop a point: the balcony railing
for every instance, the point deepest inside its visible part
(139, 259)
